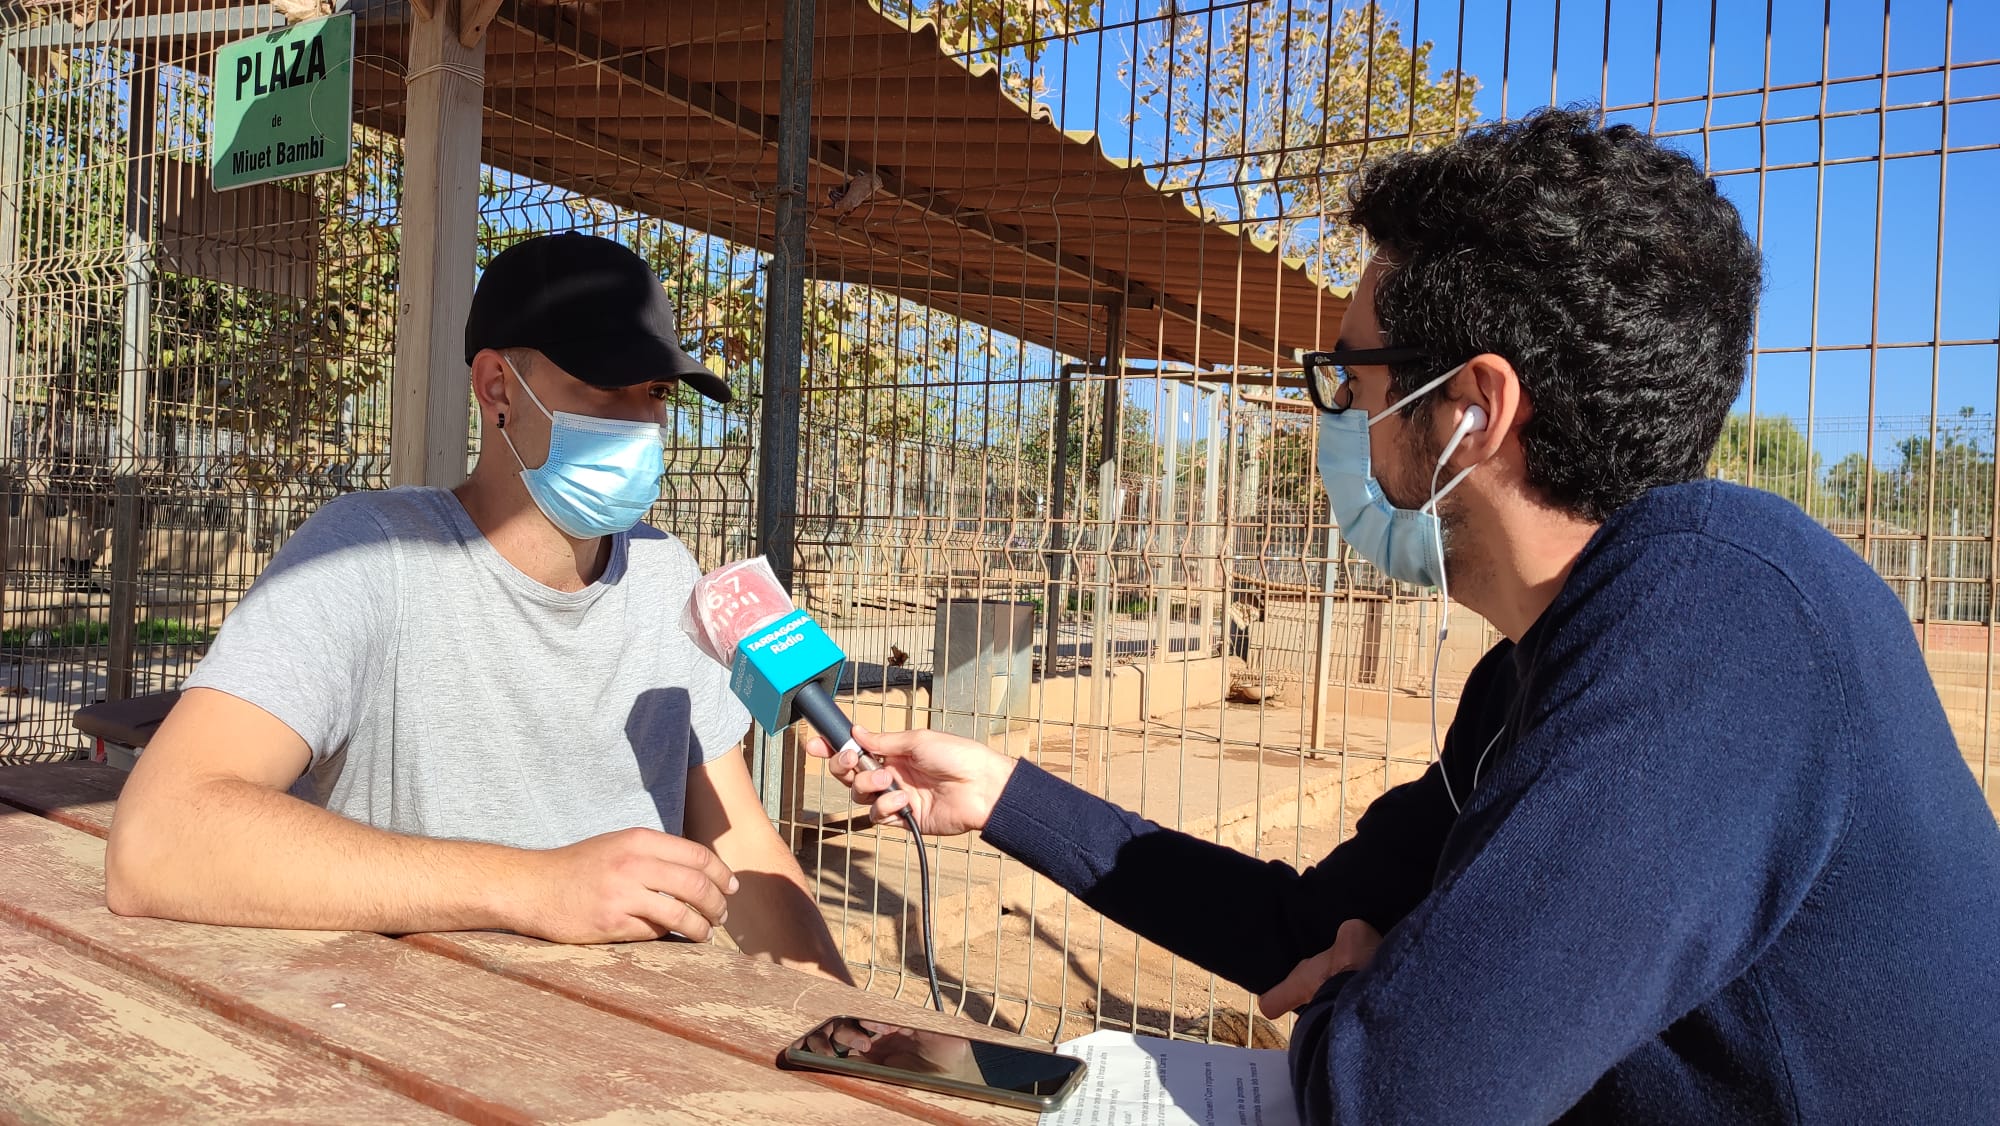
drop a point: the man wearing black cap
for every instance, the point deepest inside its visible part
(477, 698)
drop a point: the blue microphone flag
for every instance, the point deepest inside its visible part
(774, 662)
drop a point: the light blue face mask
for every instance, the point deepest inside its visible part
(1407, 544)
(602, 474)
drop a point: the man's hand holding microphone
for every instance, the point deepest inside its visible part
(949, 783)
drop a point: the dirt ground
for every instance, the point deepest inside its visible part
(1015, 951)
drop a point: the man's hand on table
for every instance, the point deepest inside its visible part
(626, 886)
(951, 784)
(1353, 949)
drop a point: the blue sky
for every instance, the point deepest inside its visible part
(1531, 52)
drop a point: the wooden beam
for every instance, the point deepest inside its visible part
(604, 189)
(427, 443)
(631, 159)
(575, 134)
(916, 284)
(473, 18)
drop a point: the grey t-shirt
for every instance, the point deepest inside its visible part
(446, 694)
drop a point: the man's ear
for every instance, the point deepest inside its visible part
(1489, 383)
(492, 386)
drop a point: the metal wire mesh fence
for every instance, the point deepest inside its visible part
(186, 376)
(1055, 473)
(1203, 651)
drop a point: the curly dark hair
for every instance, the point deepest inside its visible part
(1604, 266)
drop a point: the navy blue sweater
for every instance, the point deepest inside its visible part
(1724, 864)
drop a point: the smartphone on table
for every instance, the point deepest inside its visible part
(938, 1061)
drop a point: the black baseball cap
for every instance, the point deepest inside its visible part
(590, 305)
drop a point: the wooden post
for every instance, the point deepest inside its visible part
(135, 356)
(432, 388)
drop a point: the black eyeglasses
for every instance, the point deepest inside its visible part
(1327, 379)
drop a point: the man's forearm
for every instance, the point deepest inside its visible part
(233, 852)
(1268, 917)
(773, 915)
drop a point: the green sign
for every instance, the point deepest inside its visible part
(284, 103)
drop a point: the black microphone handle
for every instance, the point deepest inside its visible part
(815, 705)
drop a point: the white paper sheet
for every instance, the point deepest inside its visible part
(1147, 1081)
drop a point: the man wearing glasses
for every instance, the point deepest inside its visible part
(1700, 845)
(477, 697)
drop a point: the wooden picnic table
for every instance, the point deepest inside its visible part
(105, 1019)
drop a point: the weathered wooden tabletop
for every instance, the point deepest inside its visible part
(106, 1019)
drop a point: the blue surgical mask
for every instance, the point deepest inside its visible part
(1407, 544)
(602, 474)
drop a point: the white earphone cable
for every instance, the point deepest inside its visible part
(1465, 426)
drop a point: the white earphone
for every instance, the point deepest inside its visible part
(1474, 420)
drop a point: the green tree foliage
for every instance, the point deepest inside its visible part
(275, 367)
(1009, 34)
(1137, 452)
(1909, 483)
(69, 276)
(1949, 480)
(1770, 453)
(283, 365)
(1284, 102)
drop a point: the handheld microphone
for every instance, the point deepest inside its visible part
(785, 668)
(781, 664)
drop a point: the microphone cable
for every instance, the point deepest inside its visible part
(819, 709)
(923, 875)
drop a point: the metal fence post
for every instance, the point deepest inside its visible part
(1058, 557)
(1163, 566)
(1215, 568)
(13, 124)
(1101, 627)
(135, 352)
(134, 380)
(784, 352)
(125, 542)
